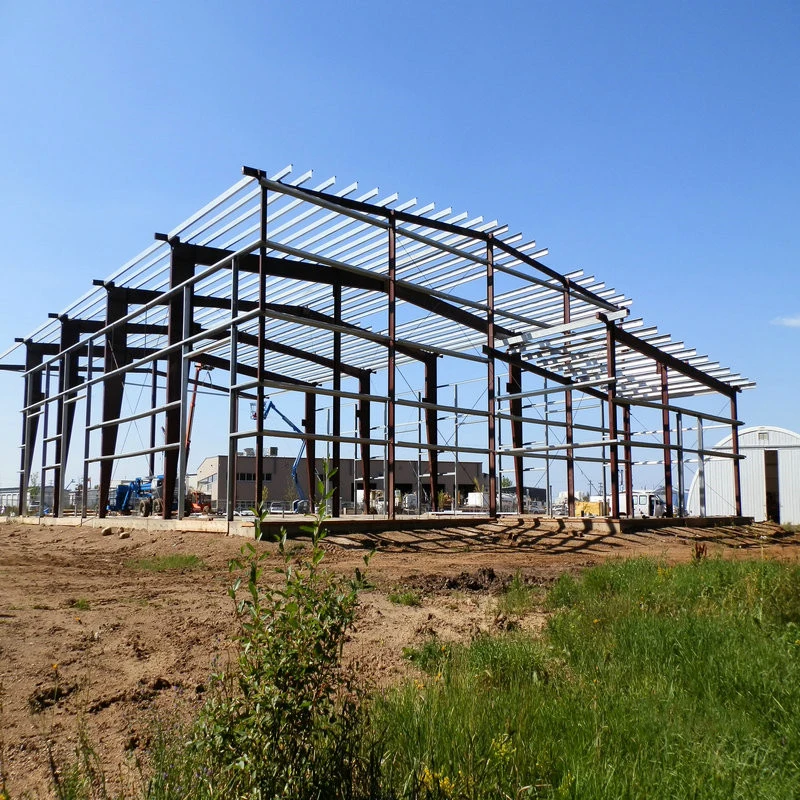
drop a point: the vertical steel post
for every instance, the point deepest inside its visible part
(603, 456)
(336, 448)
(184, 411)
(455, 452)
(115, 354)
(490, 377)
(262, 299)
(65, 411)
(180, 305)
(679, 435)
(364, 432)
(233, 397)
(431, 428)
(627, 455)
(419, 454)
(310, 427)
(737, 478)
(547, 450)
(568, 430)
(514, 386)
(613, 452)
(153, 423)
(701, 468)
(388, 485)
(88, 422)
(45, 420)
(665, 428)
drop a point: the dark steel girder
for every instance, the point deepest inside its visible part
(317, 273)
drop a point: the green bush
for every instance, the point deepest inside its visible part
(288, 720)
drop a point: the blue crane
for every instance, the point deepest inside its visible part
(301, 505)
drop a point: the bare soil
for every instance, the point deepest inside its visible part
(88, 636)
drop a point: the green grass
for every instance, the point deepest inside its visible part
(405, 597)
(650, 682)
(519, 598)
(176, 561)
(80, 604)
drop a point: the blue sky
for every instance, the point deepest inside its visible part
(654, 145)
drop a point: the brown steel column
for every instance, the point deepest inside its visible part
(737, 478)
(115, 354)
(568, 429)
(364, 433)
(388, 484)
(336, 446)
(662, 371)
(181, 269)
(490, 382)
(613, 453)
(310, 427)
(627, 452)
(262, 299)
(30, 421)
(68, 378)
(514, 386)
(431, 428)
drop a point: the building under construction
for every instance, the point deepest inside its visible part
(388, 329)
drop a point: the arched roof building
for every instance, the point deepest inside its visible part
(770, 477)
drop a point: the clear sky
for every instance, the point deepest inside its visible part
(653, 144)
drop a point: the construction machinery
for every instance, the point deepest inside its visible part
(302, 504)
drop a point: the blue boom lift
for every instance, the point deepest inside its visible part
(302, 504)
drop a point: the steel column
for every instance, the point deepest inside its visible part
(260, 398)
(431, 428)
(737, 478)
(514, 386)
(115, 355)
(180, 270)
(665, 428)
(233, 398)
(701, 468)
(568, 432)
(627, 455)
(310, 427)
(679, 435)
(364, 433)
(87, 424)
(336, 448)
(30, 422)
(68, 378)
(389, 480)
(490, 378)
(153, 421)
(613, 451)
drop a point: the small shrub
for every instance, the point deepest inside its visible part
(80, 604)
(288, 719)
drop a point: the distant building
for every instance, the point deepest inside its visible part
(212, 478)
(770, 477)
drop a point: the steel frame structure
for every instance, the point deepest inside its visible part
(297, 288)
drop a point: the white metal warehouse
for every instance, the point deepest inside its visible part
(770, 477)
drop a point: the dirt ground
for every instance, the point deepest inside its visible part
(87, 634)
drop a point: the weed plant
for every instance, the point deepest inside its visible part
(405, 597)
(288, 720)
(518, 598)
(650, 682)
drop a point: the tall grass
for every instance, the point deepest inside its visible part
(649, 682)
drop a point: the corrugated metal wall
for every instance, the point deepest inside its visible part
(752, 443)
